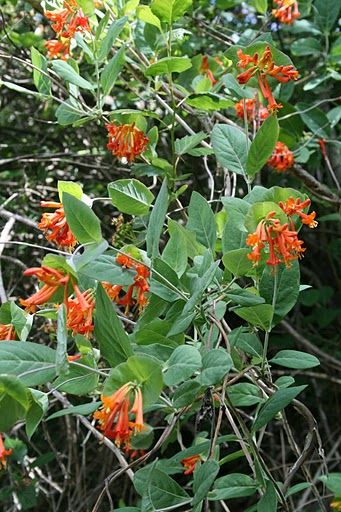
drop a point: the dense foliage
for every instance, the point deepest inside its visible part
(169, 255)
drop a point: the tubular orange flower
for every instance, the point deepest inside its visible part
(295, 207)
(262, 67)
(75, 357)
(283, 243)
(205, 70)
(53, 280)
(7, 332)
(55, 227)
(189, 463)
(4, 453)
(287, 11)
(126, 141)
(113, 417)
(80, 311)
(254, 110)
(58, 49)
(281, 158)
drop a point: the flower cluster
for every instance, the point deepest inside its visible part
(4, 453)
(136, 293)
(126, 141)
(253, 109)
(281, 158)
(55, 227)
(65, 23)
(287, 11)
(7, 332)
(264, 67)
(80, 312)
(190, 463)
(281, 240)
(114, 416)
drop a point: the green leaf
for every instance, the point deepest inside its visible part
(69, 112)
(37, 407)
(201, 221)
(204, 477)
(262, 146)
(112, 70)
(183, 362)
(259, 316)
(61, 352)
(186, 393)
(171, 10)
(268, 502)
(215, 365)
(85, 47)
(164, 492)
(41, 80)
(246, 341)
(87, 6)
(261, 6)
(141, 369)
(168, 65)
(306, 46)
(113, 341)
(184, 145)
(130, 196)
(233, 85)
(175, 252)
(230, 147)
(83, 410)
(113, 32)
(332, 482)
(244, 394)
(82, 221)
(104, 268)
(64, 70)
(156, 220)
(144, 13)
(276, 403)
(235, 485)
(33, 364)
(14, 401)
(80, 380)
(327, 13)
(259, 211)
(72, 188)
(208, 101)
(315, 119)
(22, 321)
(295, 359)
(243, 297)
(288, 288)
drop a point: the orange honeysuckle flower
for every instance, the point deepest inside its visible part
(254, 110)
(55, 227)
(58, 49)
(205, 70)
(7, 332)
(262, 67)
(52, 278)
(80, 311)
(113, 417)
(283, 243)
(287, 11)
(126, 141)
(295, 207)
(281, 158)
(75, 357)
(78, 23)
(189, 463)
(4, 453)
(336, 504)
(59, 19)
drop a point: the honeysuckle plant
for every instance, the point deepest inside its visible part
(158, 335)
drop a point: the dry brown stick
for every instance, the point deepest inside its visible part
(4, 237)
(314, 185)
(24, 220)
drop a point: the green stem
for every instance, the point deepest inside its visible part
(267, 333)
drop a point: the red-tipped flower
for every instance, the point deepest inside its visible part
(58, 49)
(281, 158)
(4, 453)
(114, 416)
(55, 227)
(7, 332)
(80, 311)
(295, 207)
(189, 463)
(287, 11)
(126, 141)
(205, 70)
(262, 67)
(254, 110)
(282, 243)
(53, 280)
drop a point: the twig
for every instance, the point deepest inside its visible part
(4, 238)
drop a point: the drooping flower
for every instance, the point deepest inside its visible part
(205, 70)
(55, 227)
(126, 141)
(263, 67)
(281, 242)
(281, 158)
(4, 453)
(58, 49)
(114, 416)
(74, 357)
(287, 11)
(7, 332)
(80, 311)
(58, 18)
(336, 504)
(295, 207)
(254, 110)
(53, 280)
(190, 463)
